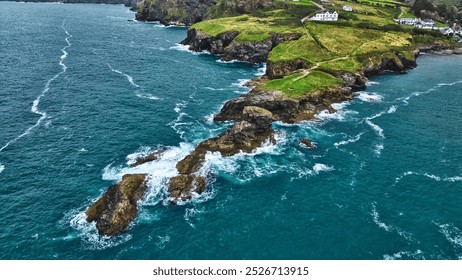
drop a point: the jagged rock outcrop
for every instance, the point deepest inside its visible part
(250, 132)
(230, 49)
(396, 63)
(142, 160)
(440, 49)
(176, 12)
(283, 108)
(276, 70)
(117, 208)
(307, 143)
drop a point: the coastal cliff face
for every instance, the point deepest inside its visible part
(176, 12)
(188, 12)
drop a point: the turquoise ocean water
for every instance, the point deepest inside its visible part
(83, 92)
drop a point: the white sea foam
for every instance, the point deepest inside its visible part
(177, 123)
(378, 149)
(179, 106)
(453, 235)
(404, 254)
(453, 179)
(209, 118)
(214, 89)
(36, 102)
(190, 214)
(226, 62)
(246, 166)
(89, 234)
(378, 130)
(180, 47)
(2, 167)
(351, 140)
(159, 171)
(319, 167)
(129, 78)
(261, 70)
(142, 152)
(392, 109)
(431, 176)
(163, 240)
(339, 114)
(185, 48)
(148, 96)
(157, 48)
(376, 219)
(241, 83)
(389, 228)
(370, 83)
(369, 97)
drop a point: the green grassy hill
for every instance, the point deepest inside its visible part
(365, 36)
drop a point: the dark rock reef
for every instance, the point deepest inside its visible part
(117, 208)
(151, 157)
(440, 49)
(253, 129)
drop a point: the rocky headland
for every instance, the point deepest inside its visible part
(253, 113)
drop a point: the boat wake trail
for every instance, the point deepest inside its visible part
(36, 102)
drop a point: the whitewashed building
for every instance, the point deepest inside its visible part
(327, 16)
(347, 8)
(407, 21)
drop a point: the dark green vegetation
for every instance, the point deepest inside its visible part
(449, 11)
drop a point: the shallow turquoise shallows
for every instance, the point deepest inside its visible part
(83, 92)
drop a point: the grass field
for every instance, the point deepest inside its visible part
(347, 45)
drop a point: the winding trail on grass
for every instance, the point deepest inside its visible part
(308, 71)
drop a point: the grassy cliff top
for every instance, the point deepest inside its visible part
(367, 34)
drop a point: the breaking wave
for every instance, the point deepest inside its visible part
(185, 48)
(88, 232)
(351, 140)
(369, 97)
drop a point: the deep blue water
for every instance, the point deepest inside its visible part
(83, 91)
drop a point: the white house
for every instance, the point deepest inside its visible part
(407, 21)
(447, 31)
(327, 16)
(347, 8)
